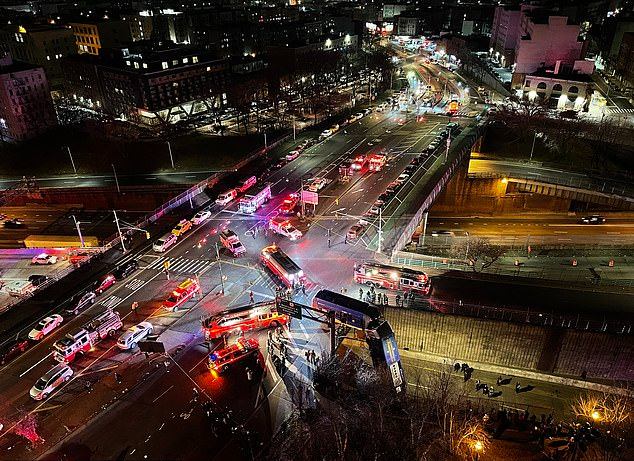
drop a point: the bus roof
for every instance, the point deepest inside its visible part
(348, 302)
(268, 305)
(282, 259)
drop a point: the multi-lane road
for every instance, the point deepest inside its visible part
(164, 394)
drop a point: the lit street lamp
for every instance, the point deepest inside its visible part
(77, 223)
(478, 448)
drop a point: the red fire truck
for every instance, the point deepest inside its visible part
(283, 266)
(185, 291)
(359, 162)
(377, 162)
(392, 278)
(81, 341)
(235, 321)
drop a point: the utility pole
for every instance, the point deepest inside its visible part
(265, 144)
(116, 180)
(378, 246)
(447, 149)
(293, 129)
(424, 229)
(116, 219)
(301, 196)
(169, 147)
(71, 159)
(222, 283)
(77, 223)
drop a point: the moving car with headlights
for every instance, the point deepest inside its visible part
(593, 219)
(12, 349)
(183, 226)
(200, 217)
(81, 302)
(220, 360)
(125, 269)
(51, 380)
(44, 258)
(292, 155)
(15, 223)
(45, 326)
(131, 338)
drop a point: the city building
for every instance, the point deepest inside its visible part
(26, 107)
(409, 23)
(545, 40)
(289, 56)
(504, 32)
(624, 62)
(561, 89)
(91, 37)
(149, 83)
(42, 45)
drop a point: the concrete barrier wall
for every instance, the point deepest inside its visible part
(505, 344)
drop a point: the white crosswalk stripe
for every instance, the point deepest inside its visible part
(135, 284)
(111, 302)
(618, 110)
(182, 265)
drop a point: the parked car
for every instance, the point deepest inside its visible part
(125, 269)
(44, 258)
(358, 229)
(37, 279)
(130, 338)
(106, 282)
(200, 217)
(317, 185)
(292, 155)
(51, 380)
(12, 349)
(45, 326)
(183, 226)
(81, 302)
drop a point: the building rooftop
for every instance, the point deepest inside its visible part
(549, 72)
(8, 65)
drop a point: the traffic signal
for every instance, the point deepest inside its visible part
(147, 235)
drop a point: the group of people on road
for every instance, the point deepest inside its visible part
(381, 299)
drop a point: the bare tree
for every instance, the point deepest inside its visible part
(478, 252)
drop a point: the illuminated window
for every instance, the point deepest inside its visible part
(144, 65)
(136, 65)
(164, 65)
(127, 63)
(185, 60)
(195, 59)
(175, 62)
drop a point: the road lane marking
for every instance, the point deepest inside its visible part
(35, 364)
(165, 392)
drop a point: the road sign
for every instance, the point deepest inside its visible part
(151, 346)
(284, 306)
(310, 197)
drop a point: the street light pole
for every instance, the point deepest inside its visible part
(447, 149)
(466, 253)
(378, 246)
(169, 147)
(116, 180)
(71, 159)
(293, 129)
(533, 147)
(222, 283)
(116, 220)
(77, 223)
(265, 145)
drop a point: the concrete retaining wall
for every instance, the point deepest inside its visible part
(528, 347)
